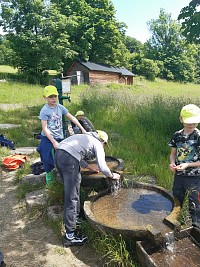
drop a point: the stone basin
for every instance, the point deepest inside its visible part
(91, 179)
(140, 211)
(185, 252)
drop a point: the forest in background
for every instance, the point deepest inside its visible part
(41, 35)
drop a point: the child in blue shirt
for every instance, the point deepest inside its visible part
(52, 128)
(185, 160)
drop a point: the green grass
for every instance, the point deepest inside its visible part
(113, 250)
(21, 93)
(7, 69)
(144, 116)
(53, 72)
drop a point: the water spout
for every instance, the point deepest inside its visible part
(115, 187)
(170, 241)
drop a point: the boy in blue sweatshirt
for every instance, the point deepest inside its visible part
(52, 129)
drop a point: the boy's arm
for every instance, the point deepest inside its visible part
(172, 159)
(48, 134)
(186, 165)
(75, 121)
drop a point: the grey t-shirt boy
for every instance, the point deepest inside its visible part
(86, 146)
(53, 116)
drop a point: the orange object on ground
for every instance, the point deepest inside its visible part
(13, 162)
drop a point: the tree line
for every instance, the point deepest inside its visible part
(50, 34)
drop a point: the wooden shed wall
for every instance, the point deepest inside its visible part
(126, 80)
(108, 77)
(103, 77)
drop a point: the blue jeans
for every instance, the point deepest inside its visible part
(69, 170)
(190, 185)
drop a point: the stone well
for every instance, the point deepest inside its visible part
(91, 179)
(140, 211)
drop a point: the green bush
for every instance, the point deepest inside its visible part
(148, 68)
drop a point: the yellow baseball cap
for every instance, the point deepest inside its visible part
(50, 90)
(79, 113)
(103, 135)
(190, 114)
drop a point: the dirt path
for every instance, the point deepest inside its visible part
(30, 243)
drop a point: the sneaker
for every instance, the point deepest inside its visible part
(70, 240)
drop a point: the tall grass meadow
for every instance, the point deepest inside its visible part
(139, 125)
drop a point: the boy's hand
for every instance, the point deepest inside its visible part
(116, 176)
(181, 167)
(172, 167)
(93, 168)
(55, 144)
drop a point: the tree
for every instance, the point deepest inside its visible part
(148, 68)
(133, 45)
(190, 18)
(6, 53)
(46, 34)
(94, 32)
(35, 31)
(168, 45)
(135, 48)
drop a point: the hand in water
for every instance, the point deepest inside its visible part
(115, 184)
(116, 176)
(115, 187)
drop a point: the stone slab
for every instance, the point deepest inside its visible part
(36, 199)
(24, 150)
(34, 180)
(55, 212)
(8, 125)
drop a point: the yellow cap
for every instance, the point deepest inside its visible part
(50, 90)
(102, 135)
(79, 113)
(190, 114)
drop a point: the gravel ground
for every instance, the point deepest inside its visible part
(29, 242)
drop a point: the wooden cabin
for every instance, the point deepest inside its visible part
(92, 73)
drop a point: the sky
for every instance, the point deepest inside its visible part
(136, 14)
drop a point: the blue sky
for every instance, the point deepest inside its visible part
(136, 13)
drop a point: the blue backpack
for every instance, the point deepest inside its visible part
(5, 142)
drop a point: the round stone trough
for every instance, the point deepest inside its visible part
(140, 211)
(91, 179)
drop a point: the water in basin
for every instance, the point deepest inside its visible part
(133, 208)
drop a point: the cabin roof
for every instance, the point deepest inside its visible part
(104, 67)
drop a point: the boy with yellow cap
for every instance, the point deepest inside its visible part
(52, 128)
(72, 153)
(84, 121)
(185, 160)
